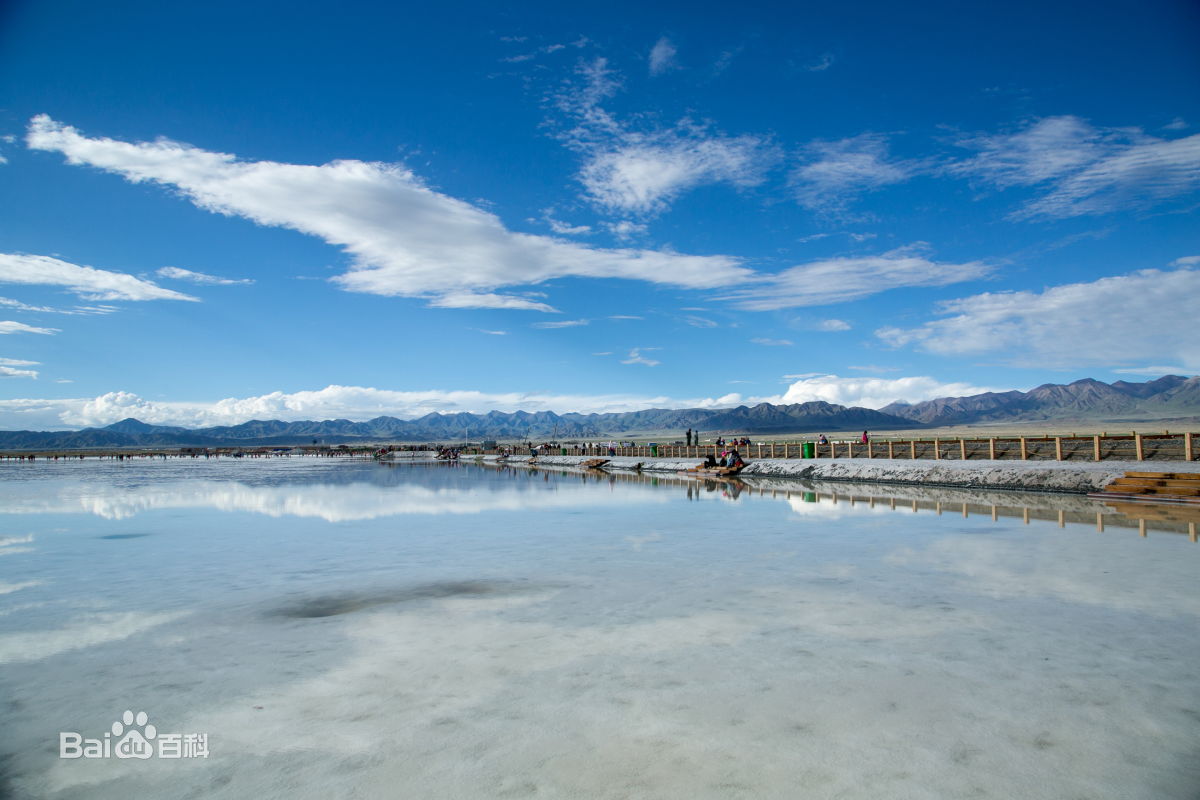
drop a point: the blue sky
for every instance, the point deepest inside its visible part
(216, 212)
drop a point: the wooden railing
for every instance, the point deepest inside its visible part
(1098, 447)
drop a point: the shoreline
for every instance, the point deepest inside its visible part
(1038, 476)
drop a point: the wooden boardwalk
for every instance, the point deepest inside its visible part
(1100, 447)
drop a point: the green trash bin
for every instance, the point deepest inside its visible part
(808, 450)
(562, 451)
(653, 450)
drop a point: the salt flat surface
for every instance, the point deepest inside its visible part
(460, 631)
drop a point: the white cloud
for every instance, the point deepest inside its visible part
(489, 300)
(1081, 169)
(774, 342)
(1155, 371)
(1112, 322)
(1177, 124)
(626, 170)
(626, 229)
(837, 280)
(332, 402)
(17, 362)
(84, 310)
(8, 326)
(567, 229)
(821, 64)
(636, 357)
(624, 316)
(872, 392)
(645, 173)
(86, 282)
(13, 372)
(836, 172)
(662, 56)
(180, 274)
(833, 325)
(1186, 261)
(492, 333)
(404, 238)
(700, 322)
(566, 323)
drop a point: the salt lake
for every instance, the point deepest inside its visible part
(339, 628)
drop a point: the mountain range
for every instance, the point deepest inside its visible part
(1171, 397)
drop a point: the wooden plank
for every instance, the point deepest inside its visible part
(1187, 447)
(891, 452)
(1096, 447)
(962, 448)
(992, 448)
(1137, 444)
(937, 449)
(1024, 452)
(1058, 448)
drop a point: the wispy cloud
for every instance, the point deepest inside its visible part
(773, 342)
(492, 333)
(567, 323)
(8, 326)
(628, 170)
(1155, 370)
(636, 357)
(700, 322)
(820, 64)
(17, 305)
(1114, 322)
(833, 325)
(626, 229)
(837, 280)
(662, 56)
(489, 300)
(874, 368)
(180, 274)
(13, 372)
(564, 228)
(836, 173)
(86, 282)
(1080, 169)
(404, 238)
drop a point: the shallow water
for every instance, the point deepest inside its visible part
(356, 629)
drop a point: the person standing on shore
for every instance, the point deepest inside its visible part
(864, 437)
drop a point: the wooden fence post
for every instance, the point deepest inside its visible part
(992, 448)
(891, 452)
(1096, 447)
(1024, 452)
(962, 449)
(912, 444)
(849, 449)
(1137, 446)
(786, 450)
(1058, 448)
(937, 449)
(1187, 447)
